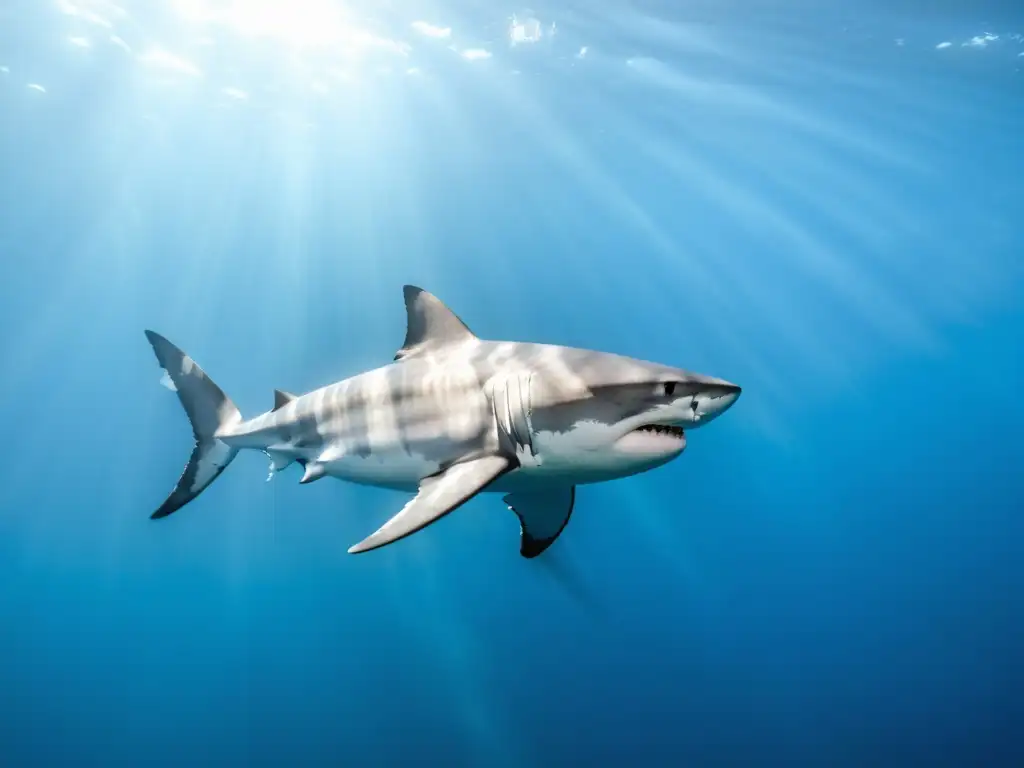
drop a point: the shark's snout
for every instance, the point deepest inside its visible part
(730, 394)
(713, 401)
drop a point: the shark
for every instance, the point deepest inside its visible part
(453, 416)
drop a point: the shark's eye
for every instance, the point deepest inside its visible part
(670, 388)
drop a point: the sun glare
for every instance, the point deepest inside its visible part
(297, 23)
(161, 59)
(698, 105)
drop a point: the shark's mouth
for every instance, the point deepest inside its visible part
(662, 429)
(653, 440)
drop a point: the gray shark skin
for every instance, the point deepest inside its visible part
(453, 416)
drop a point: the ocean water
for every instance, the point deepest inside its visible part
(821, 201)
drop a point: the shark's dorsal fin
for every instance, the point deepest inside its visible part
(430, 324)
(282, 398)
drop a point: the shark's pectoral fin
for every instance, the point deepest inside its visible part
(542, 516)
(438, 495)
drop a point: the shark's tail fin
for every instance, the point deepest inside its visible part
(209, 410)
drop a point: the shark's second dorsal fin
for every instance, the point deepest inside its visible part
(430, 324)
(282, 398)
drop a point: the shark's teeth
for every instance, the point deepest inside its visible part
(662, 429)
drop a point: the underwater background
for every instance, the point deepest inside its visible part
(820, 201)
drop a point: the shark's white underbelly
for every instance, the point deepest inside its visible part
(387, 469)
(404, 474)
(398, 469)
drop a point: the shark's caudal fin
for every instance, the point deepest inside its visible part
(209, 410)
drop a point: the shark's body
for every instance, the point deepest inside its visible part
(454, 416)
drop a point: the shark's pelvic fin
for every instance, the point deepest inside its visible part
(282, 398)
(430, 324)
(438, 495)
(209, 410)
(314, 471)
(542, 515)
(318, 467)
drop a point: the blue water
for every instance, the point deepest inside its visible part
(813, 200)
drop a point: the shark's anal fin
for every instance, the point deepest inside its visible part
(282, 398)
(430, 325)
(279, 459)
(542, 515)
(438, 495)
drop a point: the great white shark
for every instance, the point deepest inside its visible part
(453, 416)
